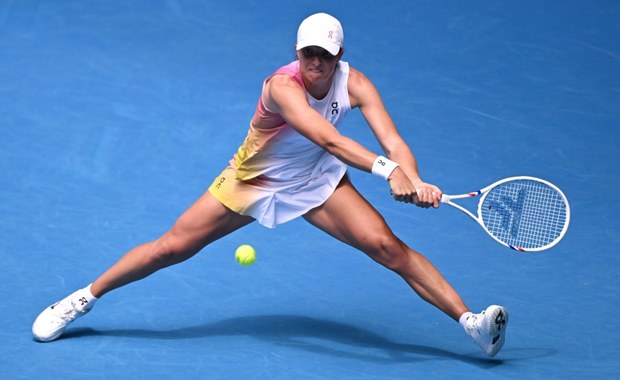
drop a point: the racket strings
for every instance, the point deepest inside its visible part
(524, 213)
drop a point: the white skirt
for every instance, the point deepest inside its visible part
(276, 202)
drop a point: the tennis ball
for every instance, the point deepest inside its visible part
(245, 254)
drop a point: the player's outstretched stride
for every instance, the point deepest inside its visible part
(294, 163)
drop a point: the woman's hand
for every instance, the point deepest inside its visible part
(421, 194)
(427, 195)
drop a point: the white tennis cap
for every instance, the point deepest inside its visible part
(322, 30)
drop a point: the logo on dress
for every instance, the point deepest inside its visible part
(334, 108)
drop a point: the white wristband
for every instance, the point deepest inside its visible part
(383, 167)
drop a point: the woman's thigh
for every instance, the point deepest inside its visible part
(349, 217)
(202, 223)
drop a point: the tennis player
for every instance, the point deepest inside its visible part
(293, 163)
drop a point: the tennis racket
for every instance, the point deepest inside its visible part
(526, 214)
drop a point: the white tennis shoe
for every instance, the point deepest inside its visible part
(488, 328)
(53, 321)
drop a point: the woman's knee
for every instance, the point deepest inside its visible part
(388, 251)
(170, 249)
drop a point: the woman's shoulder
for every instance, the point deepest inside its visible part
(359, 87)
(357, 76)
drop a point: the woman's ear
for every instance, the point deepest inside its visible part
(297, 53)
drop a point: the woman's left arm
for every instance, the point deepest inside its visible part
(364, 95)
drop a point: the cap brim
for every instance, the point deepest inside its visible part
(331, 47)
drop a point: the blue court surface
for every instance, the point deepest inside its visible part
(116, 116)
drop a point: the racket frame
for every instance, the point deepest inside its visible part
(447, 199)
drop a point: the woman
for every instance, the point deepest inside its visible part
(293, 163)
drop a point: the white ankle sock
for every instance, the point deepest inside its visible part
(89, 296)
(86, 297)
(464, 317)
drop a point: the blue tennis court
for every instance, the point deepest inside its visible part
(116, 116)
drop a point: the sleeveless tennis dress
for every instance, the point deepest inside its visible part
(277, 174)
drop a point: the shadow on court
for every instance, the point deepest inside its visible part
(310, 334)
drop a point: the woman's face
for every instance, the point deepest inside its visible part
(317, 64)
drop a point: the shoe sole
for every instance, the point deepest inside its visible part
(497, 318)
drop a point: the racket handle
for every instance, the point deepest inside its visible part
(444, 198)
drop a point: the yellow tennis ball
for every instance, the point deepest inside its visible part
(245, 254)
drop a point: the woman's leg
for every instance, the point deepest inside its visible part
(347, 216)
(204, 222)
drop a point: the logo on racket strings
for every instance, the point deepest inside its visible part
(509, 210)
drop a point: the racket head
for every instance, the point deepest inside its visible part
(526, 214)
